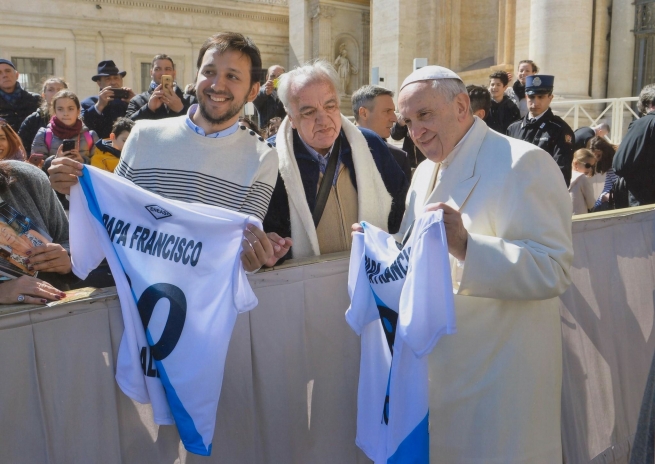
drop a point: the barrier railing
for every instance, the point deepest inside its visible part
(617, 110)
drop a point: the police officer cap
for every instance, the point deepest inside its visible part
(429, 73)
(539, 84)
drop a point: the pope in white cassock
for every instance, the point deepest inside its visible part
(495, 385)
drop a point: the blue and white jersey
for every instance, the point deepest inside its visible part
(181, 285)
(401, 304)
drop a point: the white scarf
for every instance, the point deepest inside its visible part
(373, 200)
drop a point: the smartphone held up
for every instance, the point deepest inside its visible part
(167, 82)
(68, 145)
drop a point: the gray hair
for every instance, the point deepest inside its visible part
(603, 126)
(646, 99)
(319, 70)
(364, 96)
(449, 88)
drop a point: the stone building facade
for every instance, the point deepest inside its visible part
(69, 37)
(589, 45)
(595, 48)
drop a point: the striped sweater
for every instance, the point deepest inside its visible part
(236, 172)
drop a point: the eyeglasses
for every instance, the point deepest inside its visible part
(589, 166)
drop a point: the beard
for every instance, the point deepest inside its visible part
(217, 119)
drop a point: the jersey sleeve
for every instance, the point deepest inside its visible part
(86, 251)
(363, 309)
(427, 308)
(244, 298)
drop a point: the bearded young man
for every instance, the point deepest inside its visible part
(205, 156)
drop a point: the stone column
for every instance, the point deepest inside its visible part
(560, 43)
(455, 33)
(622, 50)
(522, 32)
(322, 32)
(601, 50)
(500, 33)
(509, 32)
(300, 37)
(394, 33)
(85, 63)
(366, 47)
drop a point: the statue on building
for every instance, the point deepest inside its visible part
(344, 68)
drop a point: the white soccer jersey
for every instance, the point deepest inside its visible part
(179, 276)
(401, 304)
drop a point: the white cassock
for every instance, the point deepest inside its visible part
(496, 385)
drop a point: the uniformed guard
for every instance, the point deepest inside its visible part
(541, 127)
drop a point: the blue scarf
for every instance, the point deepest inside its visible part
(153, 86)
(13, 97)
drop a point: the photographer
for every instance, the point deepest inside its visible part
(161, 100)
(99, 113)
(267, 102)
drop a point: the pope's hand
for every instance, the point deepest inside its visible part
(456, 233)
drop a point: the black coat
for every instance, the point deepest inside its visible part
(401, 158)
(268, 106)
(138, 106)
(635, 161)
(30, 127)
(582, 136)
(102, 123)
(414, 155)
(26, 104)
(502, 115)
(550, 133)
(278, 218)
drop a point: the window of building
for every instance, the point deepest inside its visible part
(644, 71)
(33, 72)
(145, 76)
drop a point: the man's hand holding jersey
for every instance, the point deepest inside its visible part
(64, 173)
(263, 249)
(258, 250)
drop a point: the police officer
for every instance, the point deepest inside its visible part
(541, 127)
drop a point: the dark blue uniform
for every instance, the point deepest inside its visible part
(550, 133)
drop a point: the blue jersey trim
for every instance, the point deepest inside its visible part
(191, 439)
(415, 448)
(89, 192)
(188, 433)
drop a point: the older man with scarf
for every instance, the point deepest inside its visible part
(315, 144)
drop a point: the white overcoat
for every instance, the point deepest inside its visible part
(496, 384)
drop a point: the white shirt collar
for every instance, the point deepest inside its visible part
(451, 156)
(200, 131)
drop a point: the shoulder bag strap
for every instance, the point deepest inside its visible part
(48, 138)
(326, 182)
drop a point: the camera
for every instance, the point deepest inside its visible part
(120, 94)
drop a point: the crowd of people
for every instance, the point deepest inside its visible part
(495, 159)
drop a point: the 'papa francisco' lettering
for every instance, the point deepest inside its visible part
(153, 242)
(392, 273)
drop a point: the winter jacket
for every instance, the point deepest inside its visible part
(15, 114)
